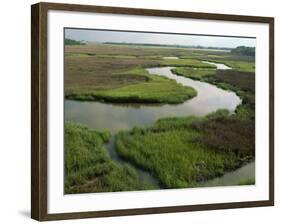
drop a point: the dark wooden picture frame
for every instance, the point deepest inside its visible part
(39, 107)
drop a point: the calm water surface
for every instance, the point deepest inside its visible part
(219, 66)
(171, 57)
(116, 117)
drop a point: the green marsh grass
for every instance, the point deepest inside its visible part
(181, 152)
(156, 89)
(242, 83)
(88, 166)
(186, 63)
(250, 181)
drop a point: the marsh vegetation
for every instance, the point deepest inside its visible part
(88, 166)
(163, 125)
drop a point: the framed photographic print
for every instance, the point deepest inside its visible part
(138, 111)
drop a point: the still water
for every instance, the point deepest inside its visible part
(116, 117)
(171, 57)
(219, 66)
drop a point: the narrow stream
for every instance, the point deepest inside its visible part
(116, 117)
(243, 173)
(219, 66)
(171, 57)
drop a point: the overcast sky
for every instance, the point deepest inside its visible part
(154, 38)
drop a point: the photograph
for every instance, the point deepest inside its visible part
(155, 111)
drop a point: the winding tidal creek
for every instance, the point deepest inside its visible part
(116, 117)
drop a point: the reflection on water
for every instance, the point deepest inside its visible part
(116, 117)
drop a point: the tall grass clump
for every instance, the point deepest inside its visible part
(88, 166)
(181, 152)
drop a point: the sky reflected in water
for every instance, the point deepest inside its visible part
(116, 117)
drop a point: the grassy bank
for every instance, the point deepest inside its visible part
(236, 62)
(243, 66)
(88, 167)
(242, 83)
(156, 89)
(250, 181)
(192, 63)
(196, 74)
(181, 152)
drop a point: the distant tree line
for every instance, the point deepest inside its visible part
(168, 45)
(72, 42)
(242, 50)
